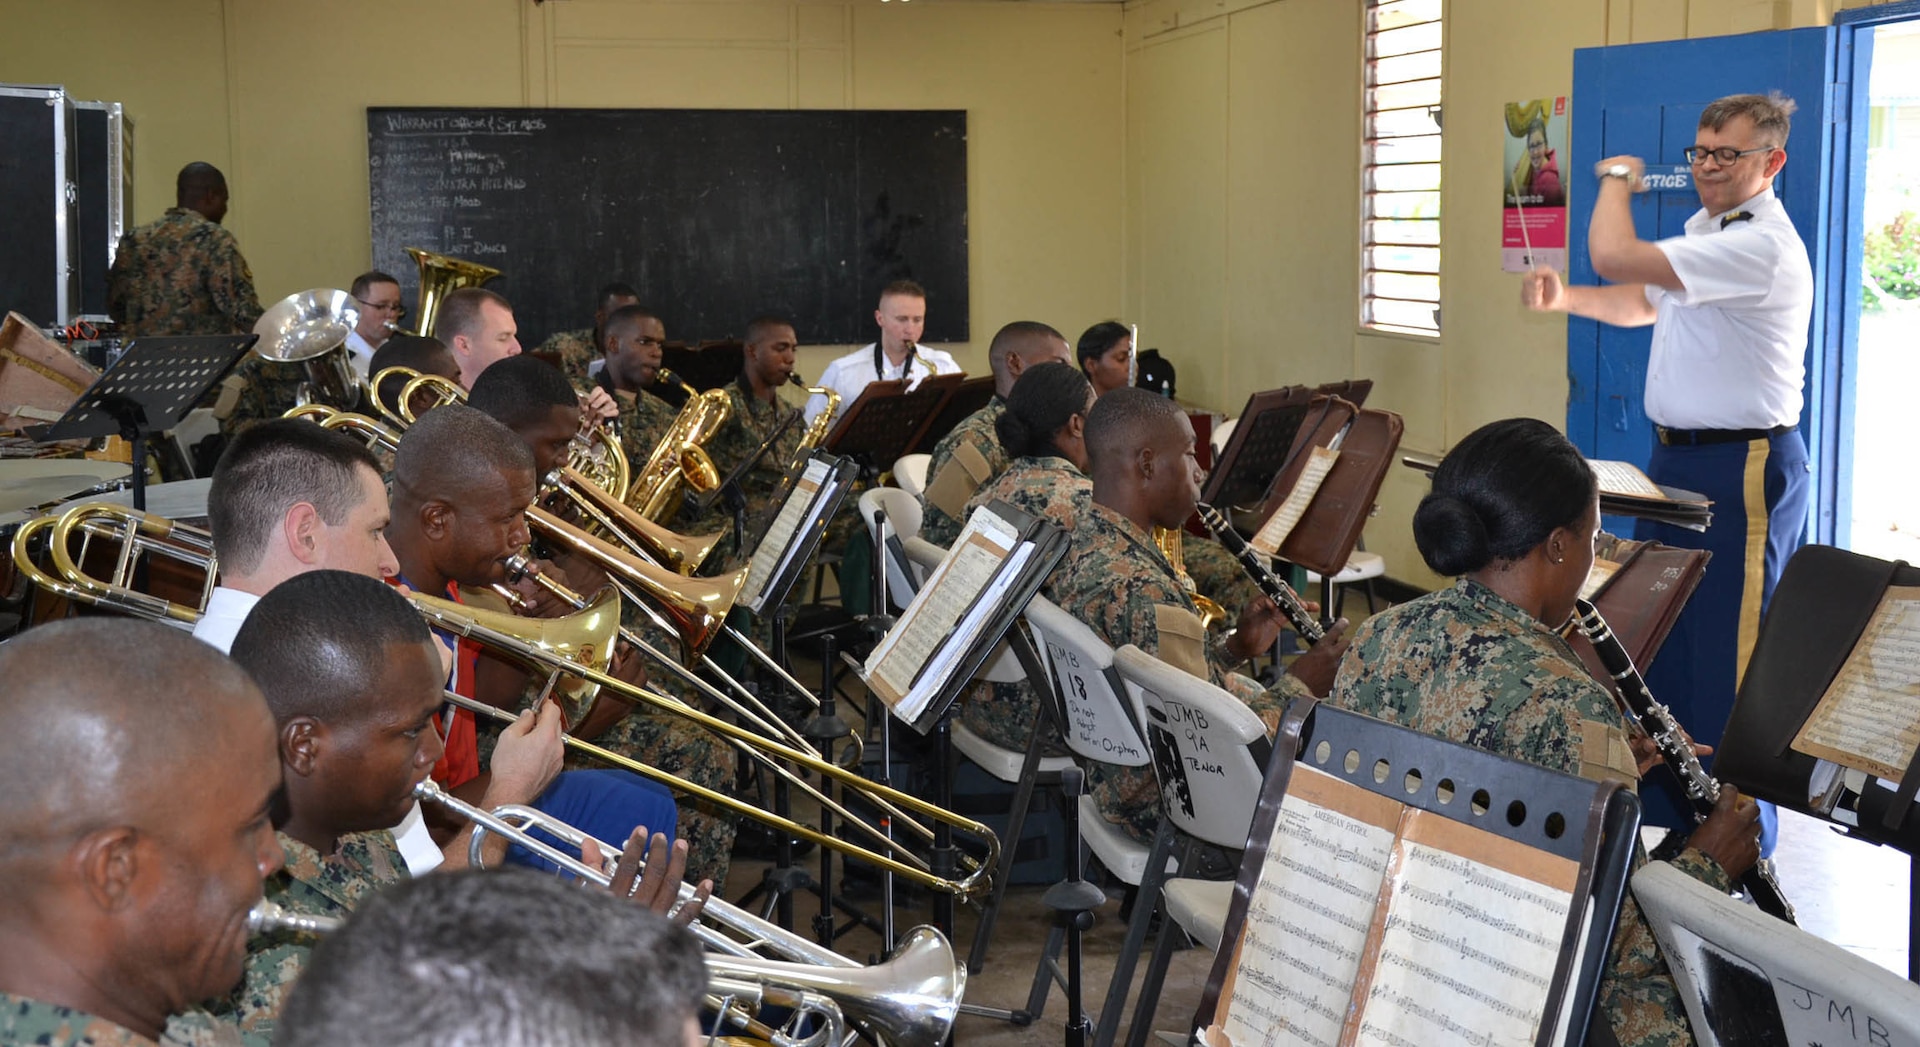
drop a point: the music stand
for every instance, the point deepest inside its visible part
(1257, 450)
(888, 418)
(971, 395)
(148, 390)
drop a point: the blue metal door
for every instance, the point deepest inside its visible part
(1645, 100)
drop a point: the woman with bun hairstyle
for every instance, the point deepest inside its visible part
(1512, 516)
(1043, 431)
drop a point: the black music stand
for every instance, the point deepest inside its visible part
(888, 418)
(970, 396)
(148, 390)
(1257, 450)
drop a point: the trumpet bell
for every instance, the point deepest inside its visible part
(303, 326)
(585, 637)
(680, 553)
(912, 998)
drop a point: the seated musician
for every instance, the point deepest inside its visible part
(1042, 425)
(575, 351)
(902, 315)
(630, 341)
(421, 353)
(139, 773)
(532, 398)
(1105, 352)
(461, 486)
(477, 327)
(758, 413)
(456, 959)
(970, 455)
(1513, 514)
(1140, 449)
(352, 675)
(378, 296)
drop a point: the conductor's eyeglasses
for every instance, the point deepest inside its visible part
(1724, 155)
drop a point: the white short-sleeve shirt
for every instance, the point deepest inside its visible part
(1729, 352)
(850, 374)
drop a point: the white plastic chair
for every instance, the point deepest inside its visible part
(1221, 434)
(1362, 568)
(1193, 724)
(910, 472)
(1103, 724)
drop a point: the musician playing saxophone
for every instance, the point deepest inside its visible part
(758, 411)
(1513, 515)
(533, 399)
(1140, 449)
(352, 676)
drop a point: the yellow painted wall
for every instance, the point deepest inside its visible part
(1243, 200)
(275, 92)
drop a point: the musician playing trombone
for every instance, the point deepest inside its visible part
(532, 398)
(1513, 515)
(136, 777)
(353, 678)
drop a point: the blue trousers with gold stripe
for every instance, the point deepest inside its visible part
(1759, 490)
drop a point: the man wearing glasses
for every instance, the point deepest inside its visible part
(1729, 302)
(378, 296)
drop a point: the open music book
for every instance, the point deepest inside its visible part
(1869, 717)
(1377, 923)
(796, 530)
(953, 612)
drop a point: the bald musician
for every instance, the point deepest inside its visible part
(136, 777)
(462, 483)
(532, 398)
(450, 959)
(1140, 449)
(970, 455)
(353, 678)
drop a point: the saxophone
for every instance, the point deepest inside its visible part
(1167, 540)
(1658, 723)
(822, 422)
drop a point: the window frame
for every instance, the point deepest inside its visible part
(1391, 219)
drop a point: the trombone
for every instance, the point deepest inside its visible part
(912, 998)
(551, 644)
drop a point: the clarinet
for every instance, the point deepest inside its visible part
(1657, 721)
(1263, 577)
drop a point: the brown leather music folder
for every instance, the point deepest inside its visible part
(1641, 601)
(1330, 527)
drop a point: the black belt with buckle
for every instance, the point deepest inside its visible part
(1695, 437)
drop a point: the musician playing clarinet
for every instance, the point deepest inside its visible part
(1513, 515)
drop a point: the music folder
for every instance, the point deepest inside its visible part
(1320, 501)
(783, 549)
(955, 620)
(887, 418)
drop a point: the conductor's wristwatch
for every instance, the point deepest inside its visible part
(1620, 171)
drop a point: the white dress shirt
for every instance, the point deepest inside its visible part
(360, 352)
(226, 610)
(1729, 352)
(852, 373)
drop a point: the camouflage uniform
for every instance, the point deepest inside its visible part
(272, 389)
(181, 275)
(1218, 575)
(1007, 714)
(964, 460)
(574, 351)
(1467, 665)
(752, 421)
(1116, 581)
(644, 420)
(31, 1023)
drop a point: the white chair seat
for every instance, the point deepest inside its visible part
(1003, 764)
(1111, 844)
(910, 473)
(1199, 907)
(1361, 566)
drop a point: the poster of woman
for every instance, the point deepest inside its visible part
(1534, 229)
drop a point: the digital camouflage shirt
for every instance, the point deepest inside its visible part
(964, 459)
(316, 885)
(1116, 581)
(752, 421)
(181, 275)
(575, 351)
(31, 1023)
(644, 419)
(1467, 665)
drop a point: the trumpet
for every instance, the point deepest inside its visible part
(551, 644)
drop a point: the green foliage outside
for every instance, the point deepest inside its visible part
(1892, 262)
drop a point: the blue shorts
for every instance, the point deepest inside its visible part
(606, 805)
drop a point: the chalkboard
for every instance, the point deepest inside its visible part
(714, 216)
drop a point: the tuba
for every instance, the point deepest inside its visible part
(311, 328)
(439, 277)
(678, 461)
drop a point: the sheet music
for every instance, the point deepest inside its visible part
(1469, 948)
(1625, 478)
(1602, 572)
(1869, 719)
(985, 543)
(928, 682)
(1309, 915)
(767, 556)
(1273, 534)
